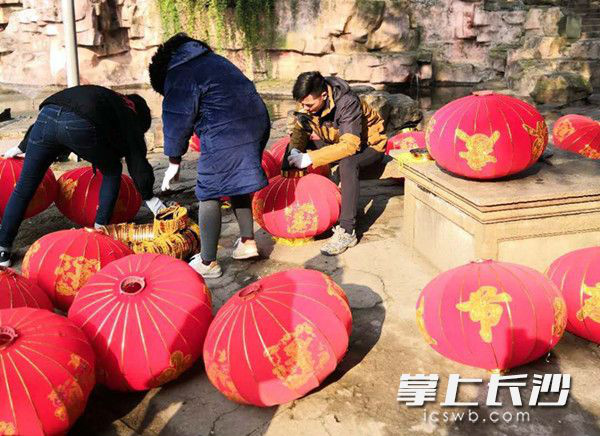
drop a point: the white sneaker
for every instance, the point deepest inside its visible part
(244, 250)
(212, 271)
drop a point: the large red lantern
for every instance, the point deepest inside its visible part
(278, 150)
(62, 262)
(195, 143)
(270, 164)
(10, 170)
(78, 197)
(577, 274)
(47, 372)
(491, 315)
(297, 207)
(279, 338)
(18, 291)
(486, 136)
(578, 134)
(147, 316)
(405, 141)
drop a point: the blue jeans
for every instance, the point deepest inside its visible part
(56, 131)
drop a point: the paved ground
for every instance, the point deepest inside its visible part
(382, 279)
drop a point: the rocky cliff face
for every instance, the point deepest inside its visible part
(546, 48)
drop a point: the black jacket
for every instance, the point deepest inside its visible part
(118, 132)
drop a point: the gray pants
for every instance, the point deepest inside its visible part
(209, 220)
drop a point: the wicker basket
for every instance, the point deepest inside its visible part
(172, 233)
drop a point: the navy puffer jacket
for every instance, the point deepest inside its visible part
(206, 94)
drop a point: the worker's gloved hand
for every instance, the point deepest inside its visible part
(299, 160)
(171, 174)
(12, 152)
(155, 205)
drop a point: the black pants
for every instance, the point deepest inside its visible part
(55, 131)
(349, 169)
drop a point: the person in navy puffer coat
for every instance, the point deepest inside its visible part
(206, 94)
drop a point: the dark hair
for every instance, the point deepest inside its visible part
(311, 82)
(142, 111)
(159, 65)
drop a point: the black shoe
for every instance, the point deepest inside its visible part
(5, 258)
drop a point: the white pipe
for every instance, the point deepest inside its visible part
(72, 66)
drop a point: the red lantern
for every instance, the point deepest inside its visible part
(147, 316)
(577, 274)
(279, 338)
(78, 197)
(278, 150)
(270, 165)
(47, 372)
(406, 141)
(492, 315)
(10, 170)
(577, 134)
(62, 262)
(486, 136)
(297, 207)
(18, 291)
(195, 143)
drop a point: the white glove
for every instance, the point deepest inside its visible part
(171, 174)
(155, 205)
(299, 160)
(294, 151)
(12, 152)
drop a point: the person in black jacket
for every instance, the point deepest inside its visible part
(99, 125)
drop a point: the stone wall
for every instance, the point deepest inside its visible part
(535, 47)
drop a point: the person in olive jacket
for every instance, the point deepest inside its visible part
(206, 94)
(351, 133)
(97, 124)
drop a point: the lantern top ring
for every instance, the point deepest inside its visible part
(6, 270)
(132, 285)
(250, 291)
(483, 93)
(8, 335)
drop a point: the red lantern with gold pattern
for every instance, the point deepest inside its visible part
(577, 274)
(279, 338)
(62, 262)
(195, 143)
(578, 134)
(47, 372)
(10, 170)
(78, 197)
(486, 136)
(18, 291)
(405, 141)
(297, 207)
(147, 316)
(491, 315)
(278, 150)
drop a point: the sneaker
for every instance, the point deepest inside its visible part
(5, 258)
(339, 242)
(212, 271)
(244, 250)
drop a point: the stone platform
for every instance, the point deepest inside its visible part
(531, 218)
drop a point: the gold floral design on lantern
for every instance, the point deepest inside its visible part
(218, 373)
(302, 218)
(73, 272)
(589, 152)
(540, 134)
(7, 429)
(421, 323)
(67, 187)
(560, 317)
(407, 143)
(483, 307)
(68, 397)
(295, 358)
(334, 290)
(258, 206)
(591, 306)
(563, 129)
(479, 148)
(179, 364)
(27, 260)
